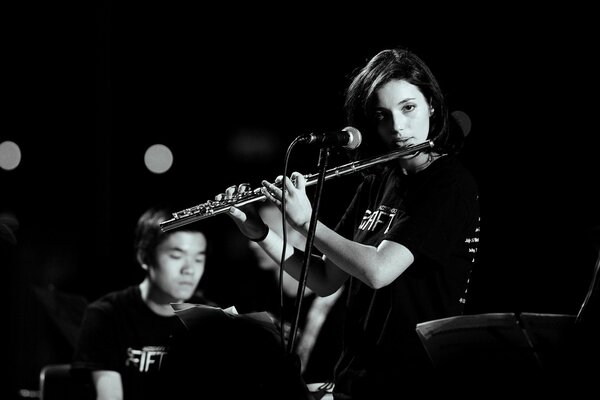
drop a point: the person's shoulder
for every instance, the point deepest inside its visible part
(449, 175)
(452, 168)
(114, 298)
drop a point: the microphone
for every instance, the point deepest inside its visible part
(349, 138)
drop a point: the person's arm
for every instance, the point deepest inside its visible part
(324, 278)
(96, 352)
(108, 385)
(375, 266)
(290, 284)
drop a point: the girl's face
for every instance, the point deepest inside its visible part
(402, 114)
(180, 261)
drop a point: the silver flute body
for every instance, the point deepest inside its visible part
(216, 207)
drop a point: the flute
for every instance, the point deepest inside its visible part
(216, 207)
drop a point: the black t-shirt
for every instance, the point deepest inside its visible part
(120, 333)
(435, 214)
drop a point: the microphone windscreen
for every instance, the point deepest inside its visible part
(356, 137)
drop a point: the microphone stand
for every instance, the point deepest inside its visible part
(323, 158)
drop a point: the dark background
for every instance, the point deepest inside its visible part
(88, 88)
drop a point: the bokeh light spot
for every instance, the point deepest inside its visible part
(10, 155)
(158, 158)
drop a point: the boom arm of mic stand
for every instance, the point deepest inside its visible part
(323, 158)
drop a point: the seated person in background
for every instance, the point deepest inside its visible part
(125, 335)
(235, 357)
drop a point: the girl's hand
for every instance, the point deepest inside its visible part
(298, 208)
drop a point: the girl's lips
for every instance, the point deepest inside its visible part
(401, 143)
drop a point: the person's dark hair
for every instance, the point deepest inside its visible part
(148, 234)
(394, 64)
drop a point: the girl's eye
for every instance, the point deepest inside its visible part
(408, 107)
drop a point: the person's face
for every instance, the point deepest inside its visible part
(180, 261)
(402, 114)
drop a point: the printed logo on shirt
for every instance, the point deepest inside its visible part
(472, 244)
(148, 359)
(473, 241)
(373, 220)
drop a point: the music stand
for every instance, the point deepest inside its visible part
(228, 355)
(478, 343)
(497, 354)
(551, 336)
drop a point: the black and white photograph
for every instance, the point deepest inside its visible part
(298, 201)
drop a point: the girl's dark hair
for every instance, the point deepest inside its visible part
(394, 64)
(148, 234)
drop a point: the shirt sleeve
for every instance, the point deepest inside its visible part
(435, 221)
(97, 346)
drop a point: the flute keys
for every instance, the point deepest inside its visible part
(220, 197)
(230, 192)
(243, 187)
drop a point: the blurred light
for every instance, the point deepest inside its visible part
(254, 145)
(10, 155)
(158, 158)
